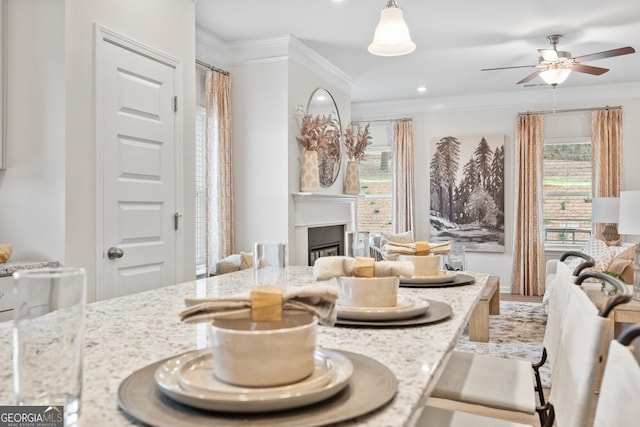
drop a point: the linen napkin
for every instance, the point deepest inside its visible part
(391, 250)
(318, 300)
(335, 266)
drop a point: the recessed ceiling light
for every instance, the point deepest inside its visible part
(422, 89)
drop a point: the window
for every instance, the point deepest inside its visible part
(201, 207)
(375, 211)
(567, 192)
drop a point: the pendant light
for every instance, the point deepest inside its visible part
(392, 36)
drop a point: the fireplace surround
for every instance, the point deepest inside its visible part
(315, 210)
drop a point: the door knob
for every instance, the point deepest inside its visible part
(114, 253)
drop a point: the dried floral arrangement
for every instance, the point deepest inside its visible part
(356, 140)
(319, 133)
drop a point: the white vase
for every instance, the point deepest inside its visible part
(309, 176)
(352, 178)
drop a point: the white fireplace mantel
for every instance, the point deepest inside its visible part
(318, 210)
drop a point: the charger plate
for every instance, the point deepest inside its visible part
(140, 399)
(436, 312)
(418, 282)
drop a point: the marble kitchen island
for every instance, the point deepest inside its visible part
(128, 333)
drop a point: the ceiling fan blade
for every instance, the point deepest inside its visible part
(550, 55)
(581, 68)
(605, 54)
(507, 68)
(530, 77)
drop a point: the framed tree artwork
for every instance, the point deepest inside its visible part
(467, 191)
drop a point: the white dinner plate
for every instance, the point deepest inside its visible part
(196, 375)
(227, 398)
(443, 276)
(405, 308)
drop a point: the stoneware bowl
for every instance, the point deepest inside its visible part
(264, 354)
(368, 291)
(424, 265)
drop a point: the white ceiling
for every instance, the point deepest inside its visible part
(455, 39)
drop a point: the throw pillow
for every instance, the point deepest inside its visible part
(617, 266)
(246, 260)
(600, 252)
(406, 237)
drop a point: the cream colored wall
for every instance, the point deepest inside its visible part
(32, 188)
(166, 25)
(431, 123)
(48, 190)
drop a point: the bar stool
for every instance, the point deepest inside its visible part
(470, 378)
(575, 372)
(620, 384)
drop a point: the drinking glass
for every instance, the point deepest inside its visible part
(48, 338)
(270, 263)
(356, 244)
(456, 258)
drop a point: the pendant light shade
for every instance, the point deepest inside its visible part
(392, 36)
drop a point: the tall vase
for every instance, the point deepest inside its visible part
(309, 176)
(352, 178)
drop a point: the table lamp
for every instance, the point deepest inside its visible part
(629, 222)
(605, 210)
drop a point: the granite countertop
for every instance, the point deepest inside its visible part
(128, 333)
(8, 268)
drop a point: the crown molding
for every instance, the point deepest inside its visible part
(302, 54)
(289, 48)
(532, 99)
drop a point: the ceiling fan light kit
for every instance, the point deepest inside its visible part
(555, 74)
(554, 66)
(391, 37)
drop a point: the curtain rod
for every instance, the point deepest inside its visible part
(571, 110)
(211, 67)
(403, 119)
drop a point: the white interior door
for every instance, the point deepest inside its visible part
(137, 121)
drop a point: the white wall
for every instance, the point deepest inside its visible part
(260, 154)
(47, 193)
(302, 83)
(32, 188)
(431, 122)
(166, 25)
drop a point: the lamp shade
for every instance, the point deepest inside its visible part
(555, 75)
(392, 36)
(629, 219)
(605, 210)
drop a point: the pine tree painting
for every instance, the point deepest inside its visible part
(467, 191)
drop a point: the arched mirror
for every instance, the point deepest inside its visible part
(321, 103)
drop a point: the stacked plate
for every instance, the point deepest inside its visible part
(189, 379)
(405, 308)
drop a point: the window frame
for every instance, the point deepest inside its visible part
(554, 246)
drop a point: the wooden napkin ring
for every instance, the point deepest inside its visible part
(422, 248)
(266, 303)
(365, 267)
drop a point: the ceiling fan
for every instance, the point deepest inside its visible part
(554, 66)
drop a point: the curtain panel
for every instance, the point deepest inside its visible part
(606, 154)
(527, 277)
(403, 194)
(219, 168)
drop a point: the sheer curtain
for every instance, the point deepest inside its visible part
(527, 277)
(219, 168)
(606, 152)
(403, 195)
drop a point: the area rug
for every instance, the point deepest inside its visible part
(517, 332)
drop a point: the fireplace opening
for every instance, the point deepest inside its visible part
(325, 241)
